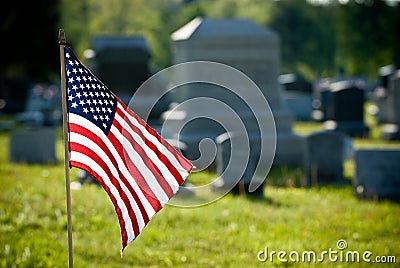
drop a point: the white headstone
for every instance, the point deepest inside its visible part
(253, 50)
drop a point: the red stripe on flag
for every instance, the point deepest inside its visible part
(121, 221)
(89, 152)
(122, 195)
(148, 162)
(136, 182)
(154, 148)
(182, 161)
(164, 159)
(135, 176)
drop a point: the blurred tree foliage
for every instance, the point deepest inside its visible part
(367, 36)
(317, 39)
(29, 39)
(307, 37)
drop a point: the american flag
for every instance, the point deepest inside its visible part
(138, 169)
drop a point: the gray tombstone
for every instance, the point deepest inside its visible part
(227, 170)
(299, 104)
(391, 129)
(297, 95)
(120, 62)
(381, 91)
(325, 157)
(345, 110)
(253, 50)
(33, 146)
(377, 174)
(321, 98)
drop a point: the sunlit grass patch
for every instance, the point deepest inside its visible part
(227, 233)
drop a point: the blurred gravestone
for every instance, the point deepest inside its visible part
(377, 174)
(321, 95)
(297, 95)
(33, 146)
(249, 48)
(345, 110)
(224, 155)
(253, 50)
(122, 64)
(391, 129)
(381, 91)
(325, 157)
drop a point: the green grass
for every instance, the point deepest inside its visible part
(226, 233)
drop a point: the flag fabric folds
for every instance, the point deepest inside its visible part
(137, 168)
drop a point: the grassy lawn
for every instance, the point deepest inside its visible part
(231, 232)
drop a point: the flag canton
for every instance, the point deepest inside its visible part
(87, 96)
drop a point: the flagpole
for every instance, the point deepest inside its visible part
(62, 42)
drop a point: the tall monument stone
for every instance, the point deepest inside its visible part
(250, 48)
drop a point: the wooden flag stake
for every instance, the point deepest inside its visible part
(62, 42)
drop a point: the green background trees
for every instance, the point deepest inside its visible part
(317, 39)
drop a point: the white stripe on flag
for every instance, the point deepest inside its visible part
(141, 166)
(123, 169)
(90, 144)
(121, 205)
(157, 143)
(170, 179)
